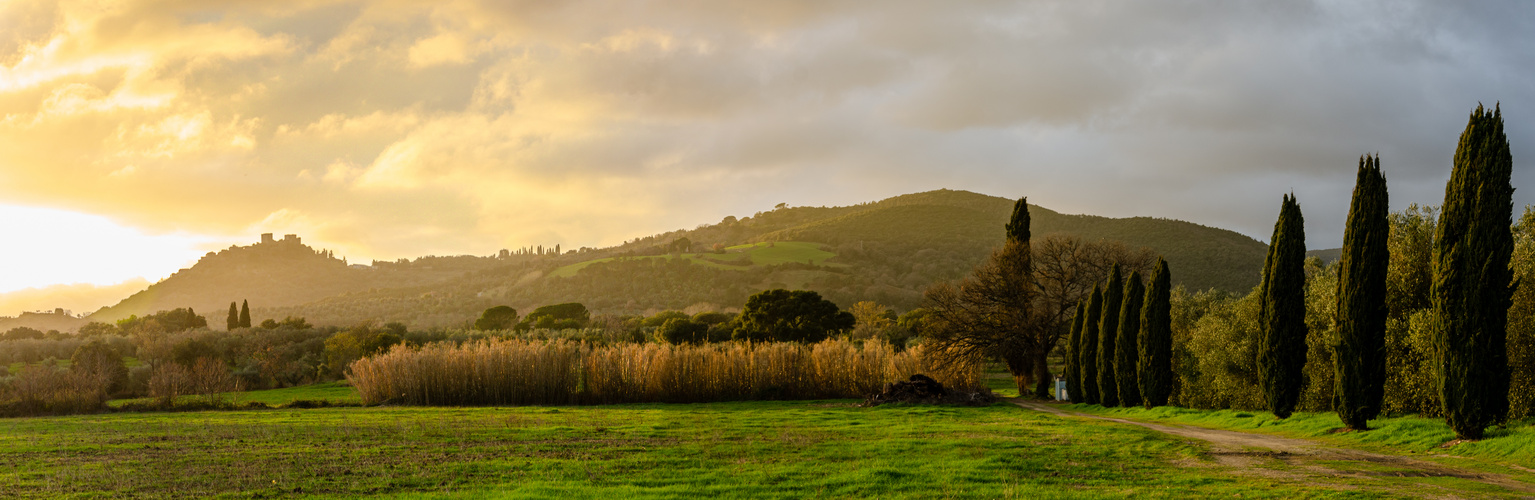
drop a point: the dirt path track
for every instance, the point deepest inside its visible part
(1248, 452)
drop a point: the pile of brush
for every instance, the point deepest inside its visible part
(921, 389)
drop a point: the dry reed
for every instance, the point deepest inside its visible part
(557, 372)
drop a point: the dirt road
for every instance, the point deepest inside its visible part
(1289, 459)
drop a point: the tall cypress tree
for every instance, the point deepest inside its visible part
(1108, 330)
(233, 321)
(1359, 352)
(1156, 340)
(1472, 290)
(245, 314)
(1073, 351)
(1127, 346)
(1087, 357)
(1282, 313)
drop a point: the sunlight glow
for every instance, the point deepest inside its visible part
(47, 246)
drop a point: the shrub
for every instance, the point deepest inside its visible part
(42, 389)
(168, 382)
(496, 318)
(100, 362)
(211, 379)
(361, 341)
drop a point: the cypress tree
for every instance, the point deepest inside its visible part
(1472, 291)
(1087, 357)
(1018, 225)
(1359, 352)
(233, 321)
(1073, 351)
(245, 314)
(1127, 346)
(1156, 341)
(1282, 313)
(1108, 330)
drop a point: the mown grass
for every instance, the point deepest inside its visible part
(1513, 442)
(761, 254)
(753, 449)
(331, 392)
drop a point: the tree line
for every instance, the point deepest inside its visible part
(1414, 317)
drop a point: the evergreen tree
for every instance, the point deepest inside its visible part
(1471, 290)
(1359, 351)
(1108, 331)
(1087, 357)
(1018, 225)
(245, 314)
(233, 321)
(1127, 345)
(1073, 351)
(1156, 340)
(1282, 312)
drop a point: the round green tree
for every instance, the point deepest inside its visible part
(790, 316)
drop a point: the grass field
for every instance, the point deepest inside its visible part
(761, 254)
(796, 449)
(1512, 443)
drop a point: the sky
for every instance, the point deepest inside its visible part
(137, 135)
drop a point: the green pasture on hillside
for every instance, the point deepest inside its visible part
(761, 254)
(63, 364)
(796, 449)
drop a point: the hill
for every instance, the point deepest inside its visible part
(42, 321)
(1201, 257)
(279, 273)
(887, 251)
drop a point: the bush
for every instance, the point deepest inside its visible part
(684, 331)
(100, 362)
(211, 379)
(168, 382)
(45, 390)
(359, 342)
(496, 318)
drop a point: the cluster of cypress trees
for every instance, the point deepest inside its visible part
(1120, 353)
(1121, 343)
(240, 318)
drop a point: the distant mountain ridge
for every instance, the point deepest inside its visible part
(888, 251)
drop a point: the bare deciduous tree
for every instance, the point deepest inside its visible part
(1016, 307)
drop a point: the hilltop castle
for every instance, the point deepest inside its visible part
(286, 238)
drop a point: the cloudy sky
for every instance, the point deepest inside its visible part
(140, 134)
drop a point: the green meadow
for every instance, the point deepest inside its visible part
(736, 257)
(794, 449)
